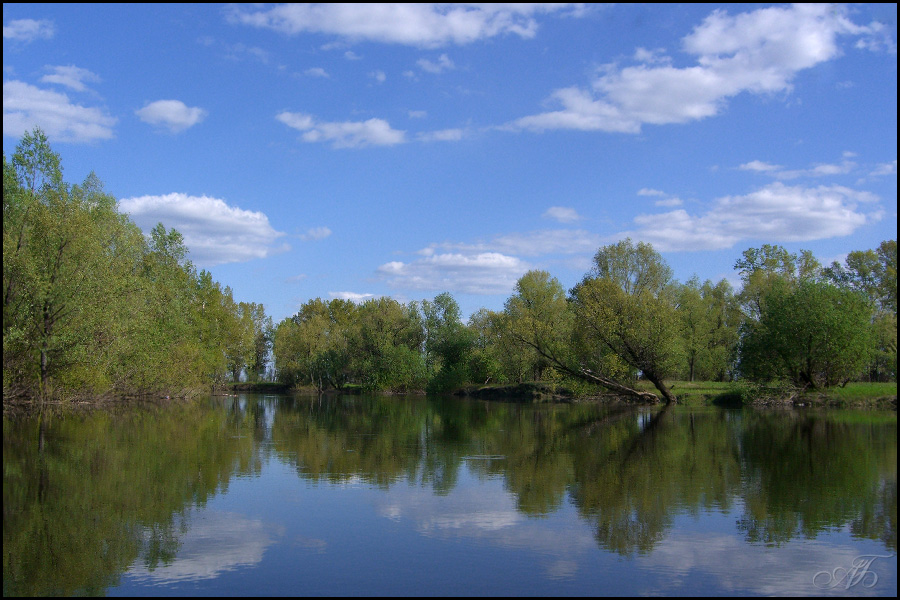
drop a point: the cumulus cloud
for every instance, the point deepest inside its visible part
(173, 115)
(465, 273)
(818, 170)
(562, 214)
(315, 234)
(885, 169)
(28, 30)
(316, 72)
(664, 198)
(71, 76)
(214, 232)
(443, 64)
(26, 107)
(669, 202)
(776, 213)
(548, 241)
(442, 135)
(490, 267)
(347, 134)
(759, 166)
(351, 296)
(422, 25)
(756, 52)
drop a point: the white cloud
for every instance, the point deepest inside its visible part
(315, 234)
(548, 241)
(347, 134)
(465, 273)
(562, 214)
(351, 296)
(72, 77)
(885, 169)
(378, 76)
(443, 64)
(316, 72)
(418, 114)
(28, 30)
(443, 135)
(423, 25)
(818, 170)
(665, 199)
(756, 52)
(174, 115)
(26, 107)
(215, 543)
(214, 232)
(776, 213)
(669, 202)
(759, 166)
(488, 267)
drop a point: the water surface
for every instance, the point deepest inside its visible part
(393, 495)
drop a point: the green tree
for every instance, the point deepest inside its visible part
(539, 316)
(874, 273)
(813, 334)
(448, 344)
(626, 305)
(709, 321)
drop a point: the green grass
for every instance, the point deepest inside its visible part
(707, 393)
(699, 393)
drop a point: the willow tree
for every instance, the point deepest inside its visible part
(565, 332)
(626, 306)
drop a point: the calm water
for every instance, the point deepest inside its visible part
(388, 495)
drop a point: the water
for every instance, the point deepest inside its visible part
(408, 496)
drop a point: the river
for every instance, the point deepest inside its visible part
(413, 496)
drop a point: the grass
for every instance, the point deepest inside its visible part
(853, 395)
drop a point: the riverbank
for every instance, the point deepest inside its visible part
(881, 396)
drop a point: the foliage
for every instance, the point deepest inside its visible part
(814, 334)
(91, 306)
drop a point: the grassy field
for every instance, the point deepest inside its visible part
(707, 393)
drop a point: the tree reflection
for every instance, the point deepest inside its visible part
(628, 473)
(809, 473)
(86, 496)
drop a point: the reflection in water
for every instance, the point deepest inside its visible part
(211, 544)
(93, 500)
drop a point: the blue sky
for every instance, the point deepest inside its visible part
(372, 150)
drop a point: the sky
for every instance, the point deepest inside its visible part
(357, 151)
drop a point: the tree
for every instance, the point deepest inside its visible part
(54, 262)
(874, 273)
(540, 316)
(762, 268)
(626, 305)
(487, 359)
(813, 334)
(448, 344)
(709, 322)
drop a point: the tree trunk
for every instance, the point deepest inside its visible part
(663, 389)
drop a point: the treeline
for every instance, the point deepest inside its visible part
(93, 307)
(793, 321)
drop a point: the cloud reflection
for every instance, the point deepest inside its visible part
(215, 543)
